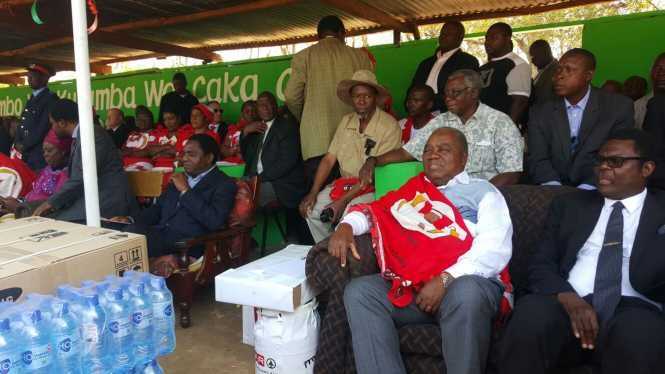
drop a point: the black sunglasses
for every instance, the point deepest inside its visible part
(614, 162)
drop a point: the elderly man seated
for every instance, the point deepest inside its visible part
(495, 144)
(442, 241)
(368, 131)
(195, 203)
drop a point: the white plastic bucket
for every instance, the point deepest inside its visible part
(285, 343)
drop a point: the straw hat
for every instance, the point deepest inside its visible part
(364, 77)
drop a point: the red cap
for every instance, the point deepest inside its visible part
(41, 68)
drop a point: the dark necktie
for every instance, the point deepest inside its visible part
(607, 287)
(72, 152)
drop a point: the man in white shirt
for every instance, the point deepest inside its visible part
(448, 58)
(597, 278)
(464, 294)
(506, 76)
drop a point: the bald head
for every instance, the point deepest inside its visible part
(445, 155)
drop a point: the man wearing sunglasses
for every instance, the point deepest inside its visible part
(495, 144)
(598, 276)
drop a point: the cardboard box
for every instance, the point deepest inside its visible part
(39, 254)
(275, 282)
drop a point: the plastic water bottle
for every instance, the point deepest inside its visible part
(66, 336)
(37, 352)
(10, 352)
(120, 339)
(151, 367)
(163, 316)
(142, 322)
(92, 319)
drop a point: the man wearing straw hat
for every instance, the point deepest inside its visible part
(368, 131)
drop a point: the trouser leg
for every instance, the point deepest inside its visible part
(319, 229)
(373, 319)
(538, 337)
(465, 319)
(634, 341)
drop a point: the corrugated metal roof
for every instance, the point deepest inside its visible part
(277, 21)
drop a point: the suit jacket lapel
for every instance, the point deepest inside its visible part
(589, 118)
(652, 216)
(586, 221)
(562, 128)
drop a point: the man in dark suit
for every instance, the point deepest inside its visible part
(654, 125)
(564, 134)
(271, 150)
(115, 196)
(195, 203)
(34, 120)
(180, 99)
(117, 128)
(435, 70)
(547, 65)
(598, 276)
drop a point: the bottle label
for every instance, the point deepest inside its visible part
(142, 318)
(163, 310)
(38, 356)
(68, 346)
(119, 328)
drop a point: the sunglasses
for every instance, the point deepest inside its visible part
(614, 162)
(454, 94)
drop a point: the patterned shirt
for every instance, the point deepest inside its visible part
(495, 144)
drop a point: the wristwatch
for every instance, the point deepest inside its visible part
(447, 279)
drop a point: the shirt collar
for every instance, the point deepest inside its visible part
(193, 181)
(630, 203)
(446, 55)
(461, 178)
(582, 103)
(502, 57)
(38, 91)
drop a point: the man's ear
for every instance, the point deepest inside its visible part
(648, 168)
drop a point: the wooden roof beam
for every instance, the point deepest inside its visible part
(57, 65)
(125, 40)
(360, 9)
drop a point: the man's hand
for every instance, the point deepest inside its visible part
(341, 241)
(366, 173)
(307, 204)
(582, 318)
(42, 210)
(338, 207)
(179, 180)
(255, 127)
(430, 296)
(121, 219)
(9, 204)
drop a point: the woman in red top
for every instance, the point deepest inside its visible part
(231, 145)
(135, 153)
(163, 139)
(200, 118)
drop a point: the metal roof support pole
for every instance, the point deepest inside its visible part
(84, 95)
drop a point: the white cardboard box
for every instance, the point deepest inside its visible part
(39, 254)
(275, 282)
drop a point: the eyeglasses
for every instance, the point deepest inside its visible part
(613, 162)
(454, 94)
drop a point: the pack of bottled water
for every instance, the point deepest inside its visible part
(116, 326)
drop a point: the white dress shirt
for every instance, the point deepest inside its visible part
(492, 234)
(259, 164)
(583, 274)
(441, 59)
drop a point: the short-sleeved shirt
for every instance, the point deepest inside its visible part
(495, 143)
(505, 76)
(349, 145)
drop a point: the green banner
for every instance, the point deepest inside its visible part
(229, 83)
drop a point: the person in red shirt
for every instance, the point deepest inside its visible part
(15, 177)
(231, 146)
(419, 104)
(200, 118)
(163, 139)
(135, 154)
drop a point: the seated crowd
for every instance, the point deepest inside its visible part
(474, 128)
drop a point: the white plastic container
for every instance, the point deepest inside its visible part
(285, 343)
